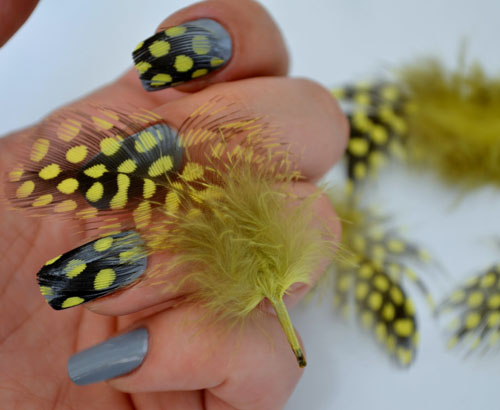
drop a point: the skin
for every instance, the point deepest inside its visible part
(190, 364)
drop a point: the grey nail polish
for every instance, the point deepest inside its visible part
(112, 358)
(182, 53)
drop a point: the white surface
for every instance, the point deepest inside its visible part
(69, 48)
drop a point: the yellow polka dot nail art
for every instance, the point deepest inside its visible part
(93, 270)
(182, 53)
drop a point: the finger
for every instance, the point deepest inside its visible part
(13, 14)
(209, 42)
(248, 366)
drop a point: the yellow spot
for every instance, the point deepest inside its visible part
(51, 261)
(121, 197)
(391, 343)
(104, 279)
(403, 327)
(390, 93)
(68, 130)
(359, 243)
(74, 268)
(183, 63)
(103, 244)
(68, 186)
(149, 188)
(76, 154)
(50, 171)
(361, 121)
(410, 308)
(65, 206)
(43, 200)
(16, 174)
(201, 45)
(388, 312)
(138, 46)
(396, 246)
(87, 213)
(145, 142)
(96, 171)
(192, 171)
(378, 253)
(471, 282)
(360, 170)
(131, 256)
(366, 271)
(109, 146)
(375, 300)
(338, 93)
(344, 283)
(362, 99)
(458, 296)
(366, 319)
(377, 159)
(472, 320)
(362, 290)
(379, 135)
(127, 167)
(46, 291)
(160, 166)
(381, 332)
(358, 147)
(494, 301)
(404, 356)
(160, 79)
(175, 31)
(142, 214)
(159, 48)
(39, 149)
(101, 124)
(475, 299)
(199, 73)
(215, 61)
(72, 301)
(95, 192)
(172, 202)
(397, 296)
(381, 283)
(142, 67)
(452, 342)
(488, 281)
(25, 190)
(494, 319)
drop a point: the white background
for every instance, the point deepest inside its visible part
(68, 48)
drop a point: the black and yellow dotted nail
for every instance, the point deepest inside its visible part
(95, 269)
(182, 53)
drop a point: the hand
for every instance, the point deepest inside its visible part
(245, 368)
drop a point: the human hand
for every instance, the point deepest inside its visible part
(205, 368)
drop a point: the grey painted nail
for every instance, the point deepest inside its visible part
(112, 358)
(182, 53)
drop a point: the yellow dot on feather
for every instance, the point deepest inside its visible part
(192, 171)
(172, 201)
(200, 44)
(149, 188)
(489, 280)
(388, 312)
(39, 149)
(68, 186)
(175, 31)
(391, 343)
(362, 290)
(43, 200)
(183, 63)
(358, 147)
(199, 73)
(142, 67)
(160, 79)
(46, 291)
(160, 166)
(396, 246)
(494, 301)
(68, 130)
(51, 261)
(409, 307)
(475, 299)
(360, 170)
(96, 171)
(457, 296)
(396, 295)
(101, 124)
(16, 174)
(366, 271)
(142, 214)
(494, 319)
(130, 256)
(381, 283)
(72, 301)
(50, 171)
(375, 301)
(65, 206)
(120, 199)
(127, 167)
(404, 356)
(379, 135)
(403, 327)
(104, 279)
(159, 48)
(74, 267)
(472, 320)
(95, 192)
(146, 141)
(109, 146)
(138, 46)
(366, 319)
(76, 154)
(103, 244)
(216, 61)
(25, 190)
(381, 332)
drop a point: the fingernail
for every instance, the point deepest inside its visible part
(112, 358)
(182, 53)
(93, 270)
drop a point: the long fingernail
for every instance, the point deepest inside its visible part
(182, 53)
(93, 270)
(112, 358)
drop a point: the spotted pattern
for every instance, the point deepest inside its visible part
(92, 270)
(182, 53)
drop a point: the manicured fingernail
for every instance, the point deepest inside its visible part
(182, 53)
(112, 358)
(95, 269)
